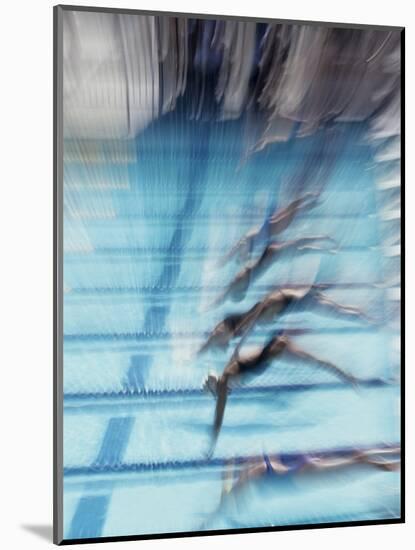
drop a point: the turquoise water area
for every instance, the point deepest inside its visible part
(146, 223)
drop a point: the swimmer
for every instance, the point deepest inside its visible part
(277, 302)
(255, 363)
(273, 225)
(273, 465)
(237, 289)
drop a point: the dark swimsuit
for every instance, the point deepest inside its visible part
(294, 465)
(270, 469)
(233, 321)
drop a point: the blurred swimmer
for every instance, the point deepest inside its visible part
(274, 465)
(254, 364)
(275, 223)
(273, 468)
(277, 302)
(237, 289)
(272, 226)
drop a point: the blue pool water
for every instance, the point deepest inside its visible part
(145, 227)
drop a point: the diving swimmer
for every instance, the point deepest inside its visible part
(278, 302)
(273, 225)
(255, 363)
(238, 288)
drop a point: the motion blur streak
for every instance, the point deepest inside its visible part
(231, 244)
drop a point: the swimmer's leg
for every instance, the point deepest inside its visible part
(379, 459)
(327, 305)
(310, 243)
(294, 352)
(394, 450)
(331, 463)
(386, 465)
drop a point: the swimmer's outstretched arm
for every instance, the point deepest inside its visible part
(209, 343)
(250, 472)
(294, 352)
(221, 399)
(219, 337)
(210, 384)
(230, 486)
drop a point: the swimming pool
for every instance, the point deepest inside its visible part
(148, 219)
